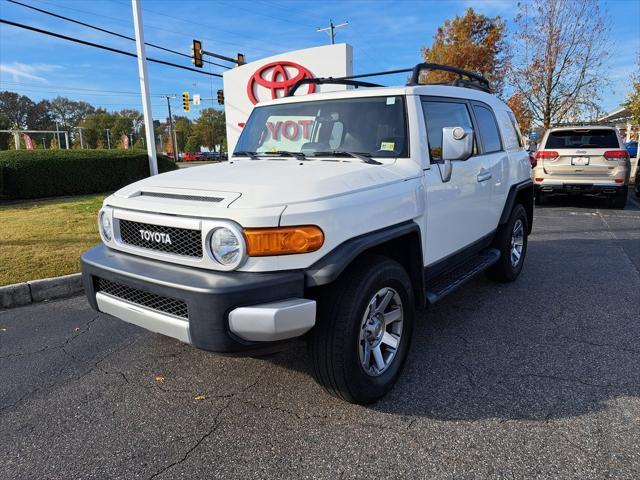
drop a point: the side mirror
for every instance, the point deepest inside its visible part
(457, 144)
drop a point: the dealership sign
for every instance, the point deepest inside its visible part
(272, 77)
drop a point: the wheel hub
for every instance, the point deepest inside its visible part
(380, 332)
(374, 329)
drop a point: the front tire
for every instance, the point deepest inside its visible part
(511, 239)
(363, 334)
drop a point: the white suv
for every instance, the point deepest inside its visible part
(337, 217)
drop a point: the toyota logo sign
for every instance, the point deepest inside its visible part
(275, 78)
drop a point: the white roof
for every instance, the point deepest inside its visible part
(432, 90)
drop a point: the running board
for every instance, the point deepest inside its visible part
(446, 283)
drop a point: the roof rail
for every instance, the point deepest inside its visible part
(473, 80)
(328, 80)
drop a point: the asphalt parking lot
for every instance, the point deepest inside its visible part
(535, 379)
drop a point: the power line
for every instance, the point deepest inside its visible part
(153, 26)
(110, 32)
(104, 47)
(60, 88)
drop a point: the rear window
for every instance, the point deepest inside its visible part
(583, 138)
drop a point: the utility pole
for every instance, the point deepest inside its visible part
(108, 138)
(144, 87)
(172, 133)
(331, 29)
(81, 139)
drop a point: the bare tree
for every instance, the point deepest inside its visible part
(559, 60)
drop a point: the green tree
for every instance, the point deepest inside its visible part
(474, 42)
(15, 108)
(183, 127)
(209, 129)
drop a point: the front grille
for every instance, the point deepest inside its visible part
(181, 241)
(167, 305)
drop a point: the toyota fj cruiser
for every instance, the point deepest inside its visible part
(337, 217)
(586, 159)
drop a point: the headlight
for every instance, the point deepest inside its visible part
(227, 247)
(105, 226)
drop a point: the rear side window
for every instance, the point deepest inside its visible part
(438, 115)
(583, 138)
(516, 127)
(488, 129)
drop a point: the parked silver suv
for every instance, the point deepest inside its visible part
(576, 160)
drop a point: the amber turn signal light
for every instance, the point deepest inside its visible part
(263, 242)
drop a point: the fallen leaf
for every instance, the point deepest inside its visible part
(200, 397)
(160, 379)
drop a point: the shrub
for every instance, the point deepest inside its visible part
(51, 173)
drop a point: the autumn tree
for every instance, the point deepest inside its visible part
(558, 63)
(474, 42)
(519, 105)
(633, 97)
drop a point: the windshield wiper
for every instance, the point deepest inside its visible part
(243, 153)
(364, 157)
(285, 153)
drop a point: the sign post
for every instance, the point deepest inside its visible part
(144, 87)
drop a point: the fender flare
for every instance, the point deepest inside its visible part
(511, 200)
(329, 267)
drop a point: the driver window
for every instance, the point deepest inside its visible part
(438, 115)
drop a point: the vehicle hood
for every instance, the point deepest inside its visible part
(267, 182)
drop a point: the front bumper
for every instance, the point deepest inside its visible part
(231, 312)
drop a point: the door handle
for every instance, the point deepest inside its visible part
(484, 175)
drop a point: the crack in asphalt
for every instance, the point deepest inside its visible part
(85, 328)
(214, 426)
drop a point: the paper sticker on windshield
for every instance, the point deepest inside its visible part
(387, 146)
(391, 100)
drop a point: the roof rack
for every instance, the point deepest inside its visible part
(472, 80)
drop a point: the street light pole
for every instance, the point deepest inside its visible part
(108, 138)
(81, 139)
(58, 135)
(144, 87)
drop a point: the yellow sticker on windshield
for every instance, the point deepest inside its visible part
(387, 146)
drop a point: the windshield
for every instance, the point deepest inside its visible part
(583, 138)
(372, 126)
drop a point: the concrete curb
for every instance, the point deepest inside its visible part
(35, 291)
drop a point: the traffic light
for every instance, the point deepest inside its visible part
(240, 59)
(220, 97)
(196, 53)
(185, 101)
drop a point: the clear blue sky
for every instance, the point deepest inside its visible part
(384, 34)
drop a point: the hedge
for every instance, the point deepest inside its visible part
(50, 173)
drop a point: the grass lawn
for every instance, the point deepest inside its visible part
(44, 238)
